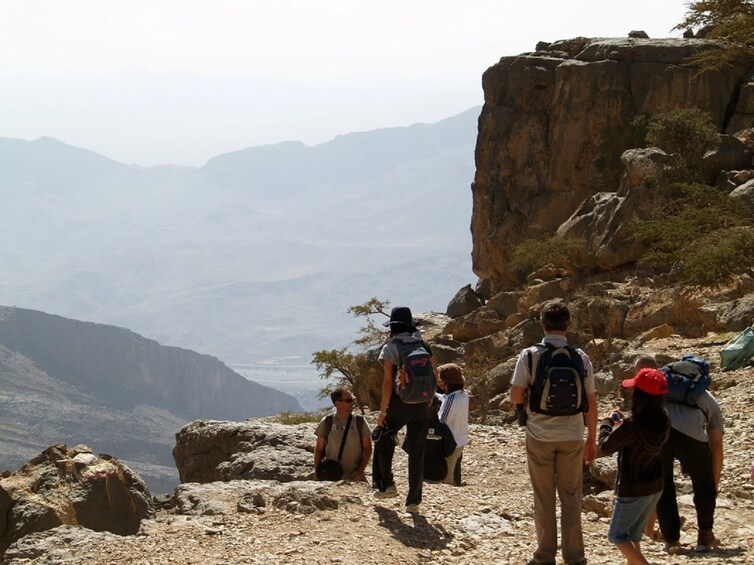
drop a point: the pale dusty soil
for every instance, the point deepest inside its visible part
(488, 520)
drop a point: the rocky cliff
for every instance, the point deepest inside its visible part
(556, 121)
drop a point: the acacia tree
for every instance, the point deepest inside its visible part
(355, 366)
(729, 21)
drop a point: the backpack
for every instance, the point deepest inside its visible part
(328, 425)
(687, 379)
(417, 381)
(559, 384)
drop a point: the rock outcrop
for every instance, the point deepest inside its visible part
(555, 123)
(208, 450)
(73, 487)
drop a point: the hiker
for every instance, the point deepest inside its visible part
(343, 437)
(395, 412)
(555, 447)
(454, 412)
(696, 440)
(648, 362)
(440, 445)
(638, 440)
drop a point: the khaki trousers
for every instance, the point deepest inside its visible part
(557, 466)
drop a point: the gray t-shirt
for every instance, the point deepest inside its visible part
(696, 422)
(389, 351)
(541, 426)
(353, 449)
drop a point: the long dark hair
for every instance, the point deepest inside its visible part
(648, 410)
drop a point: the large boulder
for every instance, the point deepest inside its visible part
(75, 487)
(603, 219)
(464, 302)
(479, 323)
(211, 450)
(731, 155)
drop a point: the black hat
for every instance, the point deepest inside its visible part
(400, 315)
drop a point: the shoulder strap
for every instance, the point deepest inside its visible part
(328, 426)
(531, 362)
(345, 436)
(360, 424)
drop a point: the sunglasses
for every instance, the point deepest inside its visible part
(350, 400)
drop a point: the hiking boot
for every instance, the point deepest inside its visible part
(674, 548)
(412, 508)
(534, 562)
(706, 540)
(389, 492)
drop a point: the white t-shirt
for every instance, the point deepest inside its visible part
(454, 412)
(541, 426)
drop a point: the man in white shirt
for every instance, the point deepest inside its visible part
(555, 447)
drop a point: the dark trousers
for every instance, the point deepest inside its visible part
(696, 460)
(416, 419)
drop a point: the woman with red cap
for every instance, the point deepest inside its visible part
(638, 439)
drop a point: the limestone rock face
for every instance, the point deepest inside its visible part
(74, 487)
(210, 450)
(555, 122)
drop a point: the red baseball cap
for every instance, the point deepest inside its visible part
(651, 381)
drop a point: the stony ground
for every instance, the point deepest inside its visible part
(487, 520)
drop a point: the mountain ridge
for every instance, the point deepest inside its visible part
(118, 392)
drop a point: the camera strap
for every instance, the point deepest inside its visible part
(345, 436)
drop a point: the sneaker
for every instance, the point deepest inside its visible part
(412, 508)
(674, 548)
(706, 540)
(389, 492)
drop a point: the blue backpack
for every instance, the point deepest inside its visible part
(687, 379)
(559, 384)
(417, 381)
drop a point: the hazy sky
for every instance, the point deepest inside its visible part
(180, 81)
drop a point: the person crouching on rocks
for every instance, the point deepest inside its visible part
(638, 439)
(454, 412)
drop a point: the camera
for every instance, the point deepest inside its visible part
(380, 431)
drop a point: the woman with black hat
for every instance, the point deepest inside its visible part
(395, 413)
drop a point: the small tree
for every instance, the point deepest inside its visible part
(729, 21)
(688, 133)
(356, 369)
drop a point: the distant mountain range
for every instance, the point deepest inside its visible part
(115, 391)
(255, 256)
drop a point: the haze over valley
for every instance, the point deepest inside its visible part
(253, 258)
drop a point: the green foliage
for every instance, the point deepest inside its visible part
(534, 254)
(719, 256)
(688, 133)
(356, 369)
(698, 233)
(293, 418)
(729, 21)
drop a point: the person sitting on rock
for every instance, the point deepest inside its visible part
(454, 412)
(357, 449)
